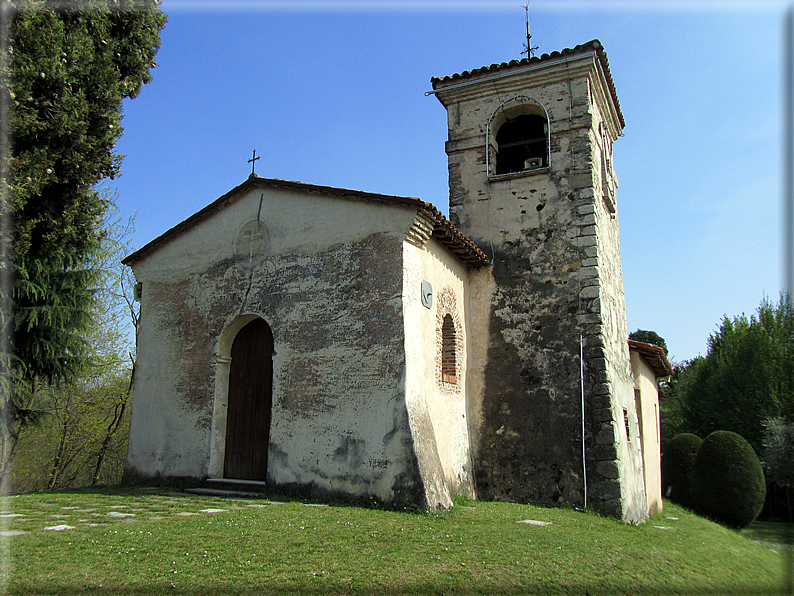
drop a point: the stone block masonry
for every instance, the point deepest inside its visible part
(552, 233)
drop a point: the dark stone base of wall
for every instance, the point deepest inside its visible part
(406, 500)
(135, 478)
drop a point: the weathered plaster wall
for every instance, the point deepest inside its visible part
(437, 408)
(329, 284)
(557, 280)
(482, 289)
(647, 410)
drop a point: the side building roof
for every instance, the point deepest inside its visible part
(655, 357)
(463, 248)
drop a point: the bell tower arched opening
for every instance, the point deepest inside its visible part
(518, 137)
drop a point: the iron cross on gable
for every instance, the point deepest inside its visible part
(252, 161)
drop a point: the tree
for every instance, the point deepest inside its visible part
(672, 394)
(69, 71)
(727, 480)
(779, 456)
(677, 466)
(747, 375)
(79, 436)
(112, 339)
(64, 447)
(649, 337)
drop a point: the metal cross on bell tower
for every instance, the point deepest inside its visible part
(529, 49)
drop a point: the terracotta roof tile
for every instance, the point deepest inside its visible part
(655, 357)
(591, 46)
(443, 229)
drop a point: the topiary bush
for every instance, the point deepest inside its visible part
(728, 481)
(678, 462)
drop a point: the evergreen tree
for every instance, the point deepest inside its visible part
(69, 72)
(65, 76)
(747, 375)
(80, 431)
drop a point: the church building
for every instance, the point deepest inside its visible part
(341, 343)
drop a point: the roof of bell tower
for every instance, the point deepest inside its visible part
(594, 46)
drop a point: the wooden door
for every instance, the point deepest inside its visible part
(250, 403)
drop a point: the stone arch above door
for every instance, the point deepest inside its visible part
(225, 379)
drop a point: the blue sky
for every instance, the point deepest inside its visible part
(333, 93)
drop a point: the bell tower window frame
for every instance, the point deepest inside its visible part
(522, 114)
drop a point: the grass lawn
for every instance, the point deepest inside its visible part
(153, 542)
(775, 535)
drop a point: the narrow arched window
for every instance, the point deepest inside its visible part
(448, 350)
(521, 144)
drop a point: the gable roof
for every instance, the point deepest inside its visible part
(591, 46)
(655, 357)
(463, 248)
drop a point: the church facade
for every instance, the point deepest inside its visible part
(344, 343)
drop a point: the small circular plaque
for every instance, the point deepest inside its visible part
(252, 243)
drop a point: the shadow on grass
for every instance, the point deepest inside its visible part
(273, 495)
(773, 533)
(777, 535)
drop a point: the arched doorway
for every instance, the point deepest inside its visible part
(250, 402)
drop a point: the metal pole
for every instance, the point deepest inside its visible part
(581, 382)
(788, 223)
(788, 156)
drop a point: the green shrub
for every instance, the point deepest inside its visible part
(678, 462)
(728, 481)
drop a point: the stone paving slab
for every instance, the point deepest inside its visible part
(534, 522)
(39, 516)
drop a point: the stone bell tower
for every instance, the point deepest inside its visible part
(532, 183)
